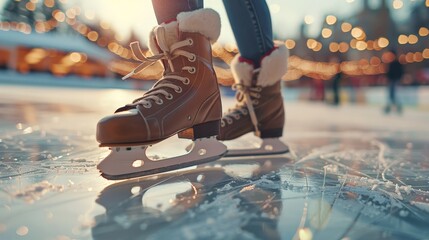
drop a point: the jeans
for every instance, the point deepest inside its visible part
(251, 23)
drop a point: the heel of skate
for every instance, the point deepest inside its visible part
(272, 133)
(269, 146)
(203, 130)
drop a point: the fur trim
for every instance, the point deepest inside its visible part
(273, 67)
(241, 71)
(158, 42)
(205, 21)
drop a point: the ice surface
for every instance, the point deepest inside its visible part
(353, 173)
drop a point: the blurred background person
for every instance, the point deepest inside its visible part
(394, 74)
(336, 81)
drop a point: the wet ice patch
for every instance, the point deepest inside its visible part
(219, 219)
(36, 191)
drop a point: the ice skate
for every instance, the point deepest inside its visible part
(185, 101)
(259, 107)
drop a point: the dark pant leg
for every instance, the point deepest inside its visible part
(251, 23)
(392, 92)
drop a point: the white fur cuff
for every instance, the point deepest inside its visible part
(273, 67)
(205, 21)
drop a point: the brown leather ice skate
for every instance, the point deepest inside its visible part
(185, 101)
(259, 107)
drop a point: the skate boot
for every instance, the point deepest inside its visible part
(185, 101)
(259, 107)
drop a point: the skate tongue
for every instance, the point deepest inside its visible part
(166, 35)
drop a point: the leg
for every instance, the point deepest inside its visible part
(392, 92)
(165, 14)
(251, 23)
(257, 71)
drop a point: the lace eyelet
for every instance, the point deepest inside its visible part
(256, 102)
(147, 105)
(169, 97)
(192, 70)
(187, 81)
(178, 90)
(229, 121)
(190, 42)
(193, 58)
(259, 89)
(237, 117)
(159, 102)
(258, 95)
(222, 124)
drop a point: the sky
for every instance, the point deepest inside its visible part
(287, 15)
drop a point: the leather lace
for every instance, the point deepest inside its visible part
(169, 53)
(245, 105)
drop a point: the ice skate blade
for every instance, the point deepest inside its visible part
(269, 146)
(130, 162)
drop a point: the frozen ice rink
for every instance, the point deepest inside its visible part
(353, 173)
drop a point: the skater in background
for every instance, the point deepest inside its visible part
(394, 74)
(186, 100)
(336, 81)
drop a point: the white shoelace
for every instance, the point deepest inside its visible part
(173, 52)
(244, 94)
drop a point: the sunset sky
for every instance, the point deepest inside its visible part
(287, 14)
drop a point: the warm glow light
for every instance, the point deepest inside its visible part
(93, 36)
(113, 47)
(30, 6)
(370, 44)
(326, 32)
(383, 42)
(361, 45)
(358, 33)
(426, 53)
(318, 47)
(413, 39)
(427, 3)
(75, 57)
(334, 47)
(375, 61)
(331, 20)
(35, 56)
(71, 13)
(308, 19)
(388, 57)
(311, 43)
(402, 39)
(49, 3)
(353, 43)
(290, 44)
(418, 57)
(59, 16)
(344, 47)
(409, 57)
(346, 27)
(305, 234)
(397, 4)
(105, 25)
(423, 31)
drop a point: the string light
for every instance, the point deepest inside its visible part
(331, 19)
